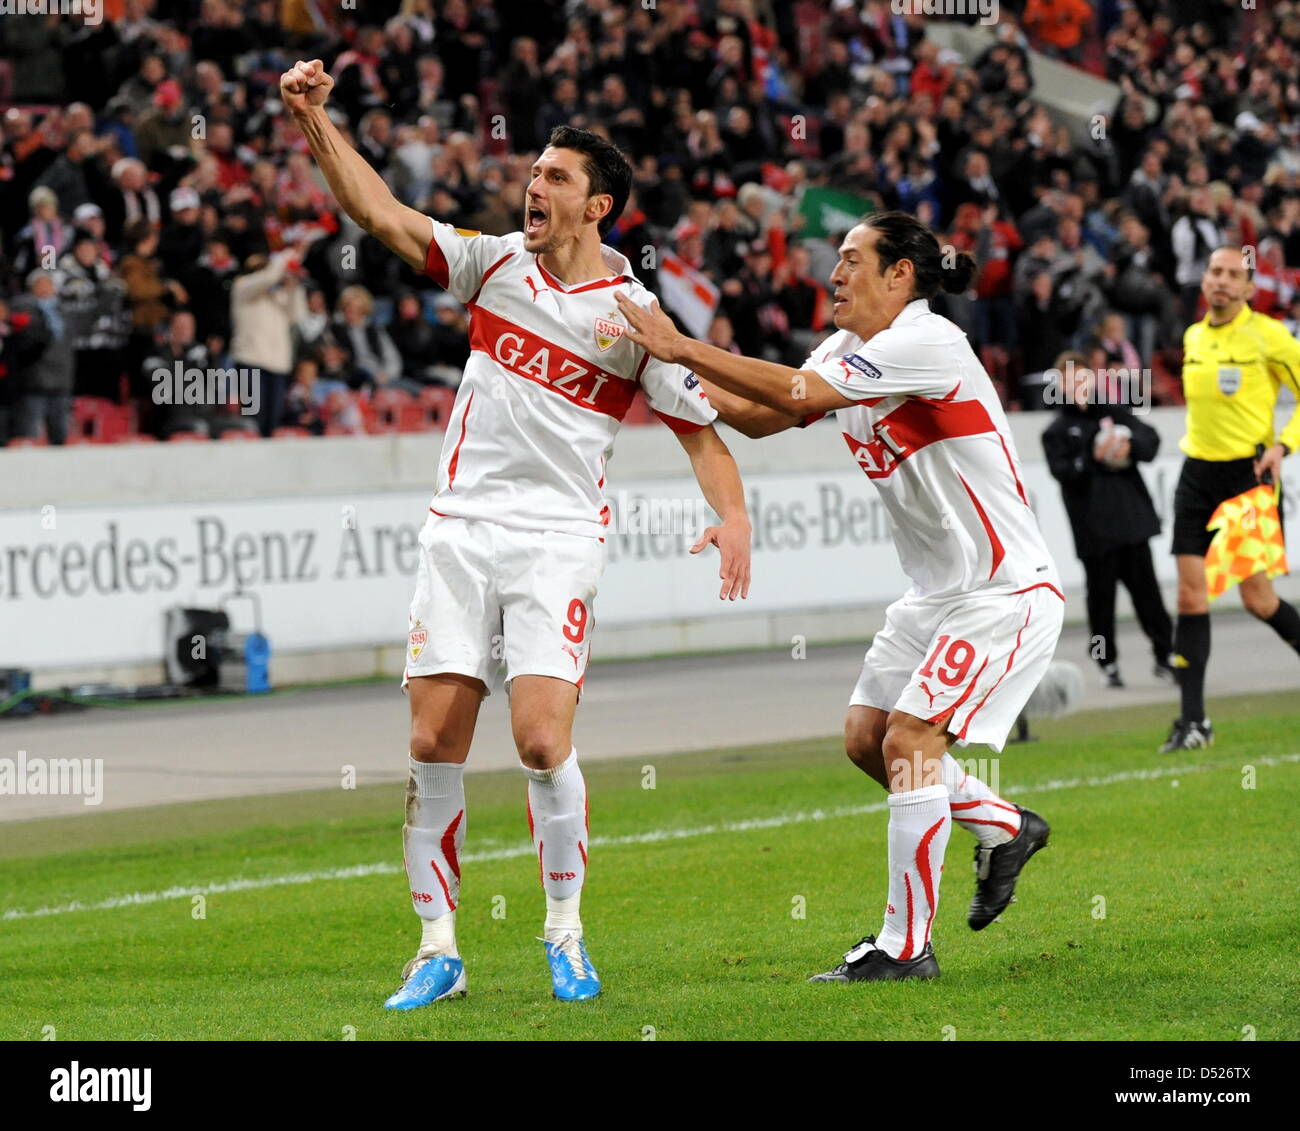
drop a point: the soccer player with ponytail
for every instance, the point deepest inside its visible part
(962, 650)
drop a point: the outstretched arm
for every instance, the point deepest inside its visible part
(719, 478)
(360, 191)
(795, 392)
(746, 417)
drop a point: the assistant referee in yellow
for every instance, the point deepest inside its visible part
(1235, 363)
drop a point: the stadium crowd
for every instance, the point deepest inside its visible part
(158, 208)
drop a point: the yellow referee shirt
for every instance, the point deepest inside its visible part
(1231, 378)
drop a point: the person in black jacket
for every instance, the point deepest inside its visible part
(43, 359)
(1093, 450)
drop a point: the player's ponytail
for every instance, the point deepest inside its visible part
(959, 269)
(903, 236)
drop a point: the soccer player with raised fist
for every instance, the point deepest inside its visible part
(962, 650)
(513, 546)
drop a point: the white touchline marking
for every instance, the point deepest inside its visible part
(141, 898)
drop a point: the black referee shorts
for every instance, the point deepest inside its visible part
(1202, 485)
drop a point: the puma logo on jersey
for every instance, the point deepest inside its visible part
(932, 694)
(577, 656)
(532, 286)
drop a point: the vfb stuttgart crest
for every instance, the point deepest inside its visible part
(608, 331)
(419, 638)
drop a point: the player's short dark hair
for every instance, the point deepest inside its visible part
(903, 236)
(607, 169)
(1245, 260)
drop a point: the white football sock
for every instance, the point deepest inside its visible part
(431, 842)
(919, 825)
(977, 808)
(557, 819)
(438, 936)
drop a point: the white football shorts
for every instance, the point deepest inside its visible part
(980, 658)
(494, 602)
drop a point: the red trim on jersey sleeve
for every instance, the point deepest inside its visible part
(679, 427)
(998, 551)
(534, 358)
(455, 455)
(435, 263)
(813, 417)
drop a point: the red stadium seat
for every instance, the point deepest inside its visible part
(290, 432)
(385, 400)
(98, 420)
(385, 409)
(437, 402)
(136, 438)
(119, 422)
(345, 414)
(414, 418)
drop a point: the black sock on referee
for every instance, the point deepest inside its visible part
(1286, 623)
(1192, 653)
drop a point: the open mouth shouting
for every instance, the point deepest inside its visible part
(535, 220)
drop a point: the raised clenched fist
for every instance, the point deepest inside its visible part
(305, 85)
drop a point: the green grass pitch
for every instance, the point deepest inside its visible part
(1165, 908)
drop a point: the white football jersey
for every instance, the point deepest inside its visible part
(550, 376)
(929, 431)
